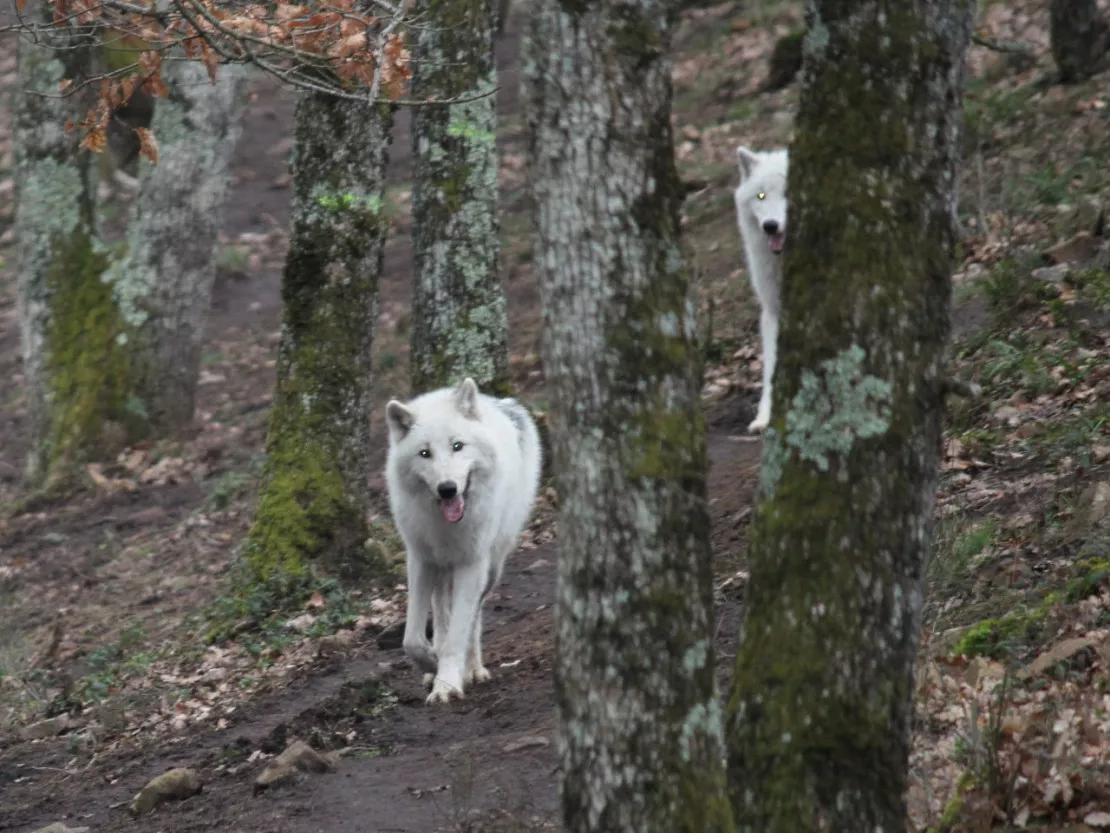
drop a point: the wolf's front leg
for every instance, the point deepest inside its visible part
(769, 336)
(441, 615)
(468, 584)
(421, 579)
(475, 671)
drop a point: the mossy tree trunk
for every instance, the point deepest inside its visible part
(1080, 37)
(163, 282)
(111, 348)
(640, 738)
(313, 495)
(820, 710)
(77, 373)
(460, 323)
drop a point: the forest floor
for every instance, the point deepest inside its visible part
(107, 678)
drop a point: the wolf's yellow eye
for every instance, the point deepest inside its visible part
(425, 453)
(761, 195)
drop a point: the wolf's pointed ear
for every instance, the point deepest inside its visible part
(746, 160)
(400, 419)
(466, 398)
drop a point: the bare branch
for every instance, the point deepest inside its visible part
(1005, 46)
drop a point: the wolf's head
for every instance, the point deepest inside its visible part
(761, 197)
(440, 447)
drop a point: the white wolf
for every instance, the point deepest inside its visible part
(761, 215)
(462, 473)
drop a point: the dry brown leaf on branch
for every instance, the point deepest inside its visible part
(210, 59)
(150, 63)
(396, 70)
(96, 137)
(148, 145)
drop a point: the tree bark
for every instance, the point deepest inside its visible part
(820, 710)
(111, 348)
(77, 381)
(1080, 37)
(460, 319)
(163, 284)
(640, 735)
(313, 495)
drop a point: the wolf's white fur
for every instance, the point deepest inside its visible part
(761, 205)
(490, 449)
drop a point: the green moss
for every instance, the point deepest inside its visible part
(995, 637)
(303, 503)
(955, 805)
(1001, 637)
(87, 368)
(1093, 573)
(120, 51)
(786, 60)
(663, 443)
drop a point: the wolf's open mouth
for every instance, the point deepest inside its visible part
(453, 508)
(777, 241)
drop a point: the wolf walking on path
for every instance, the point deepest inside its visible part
(462, 472)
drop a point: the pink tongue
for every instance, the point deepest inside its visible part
(452, 509)
(777, 241)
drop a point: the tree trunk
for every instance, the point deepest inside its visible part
(163, 284)
(640, 736)
(313, 496)
(76, 380)
(820, 710)
(1080, 36)
(460, 323)
(111, 349)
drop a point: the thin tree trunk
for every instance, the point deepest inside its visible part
(640, 735)
(163, 284)
(1080, 38)
(313, 495)
(821, 702)
(460, 323)
(76, 378)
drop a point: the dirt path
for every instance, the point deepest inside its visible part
(420, 768)
(415, 768)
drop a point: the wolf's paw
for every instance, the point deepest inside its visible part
(758, 425)
(429, 678)
(478, 675)
(443, 691)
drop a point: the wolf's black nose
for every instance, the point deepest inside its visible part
(771, 226)
(447, 489)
